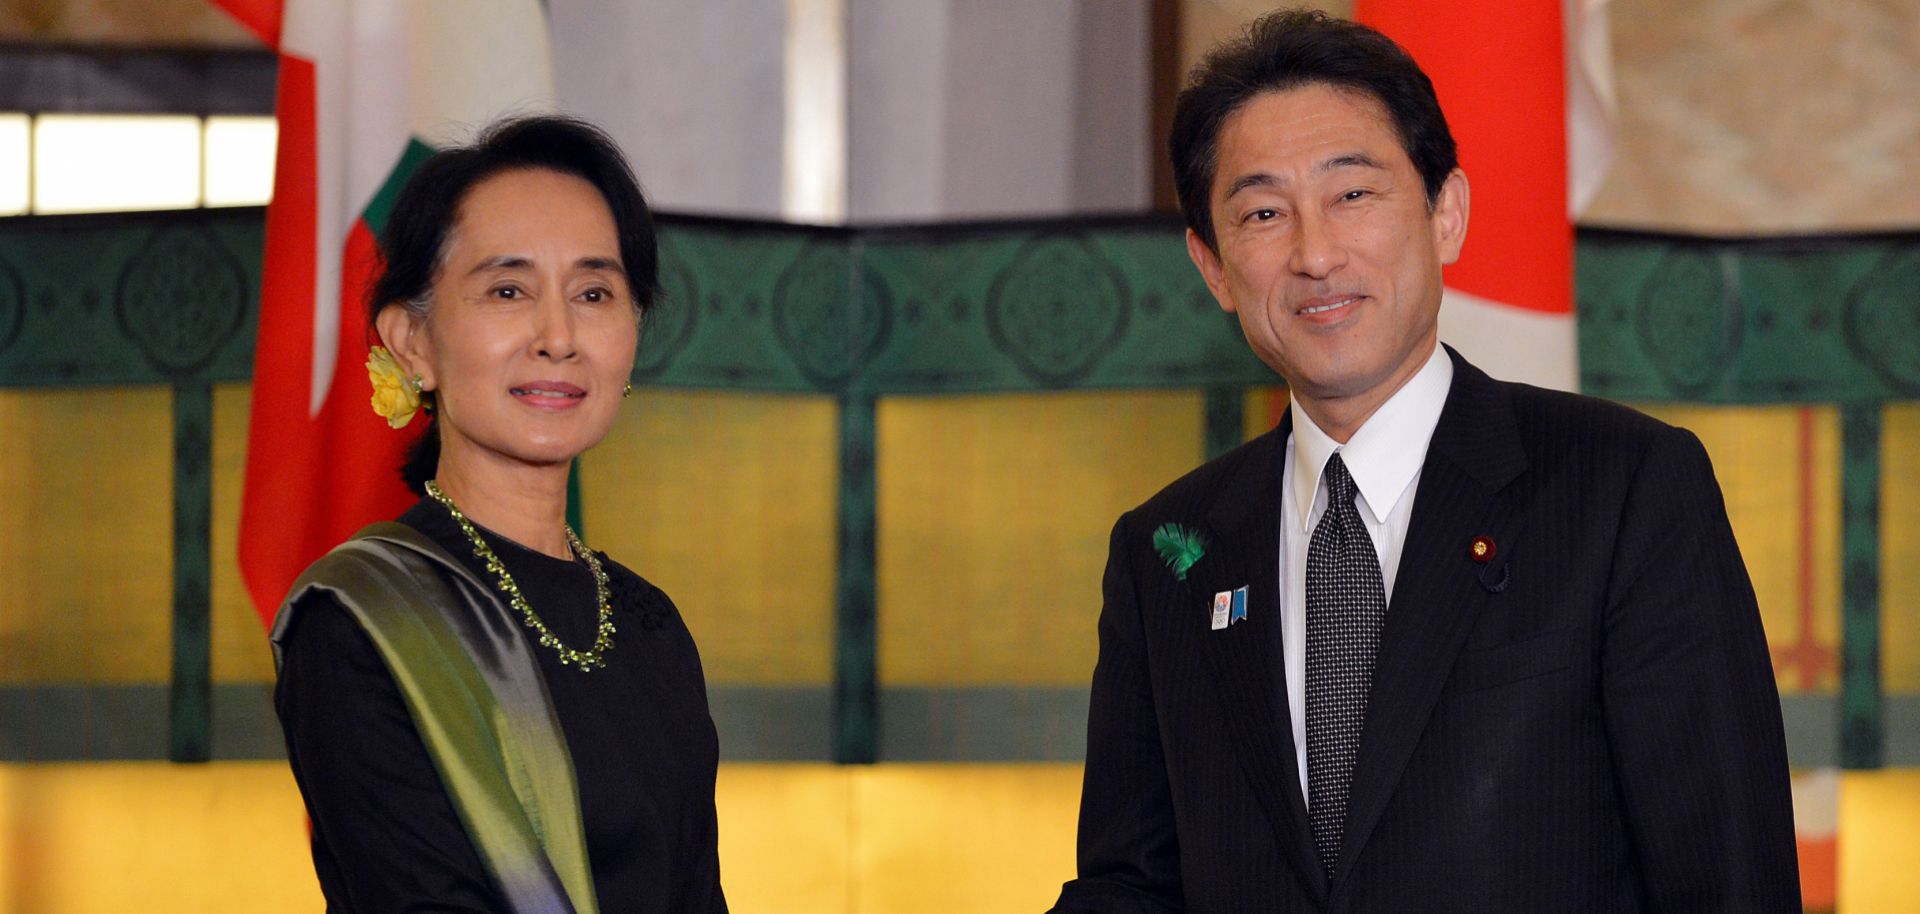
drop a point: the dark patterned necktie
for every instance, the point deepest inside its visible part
(1346, 608)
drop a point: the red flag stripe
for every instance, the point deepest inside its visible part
(1499, 69)
(312, 479)
(277, 483)
(261, 17)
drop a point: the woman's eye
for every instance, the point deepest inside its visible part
(596, 296)
(508, 293)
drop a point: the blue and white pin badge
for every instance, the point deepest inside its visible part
(1229, 606)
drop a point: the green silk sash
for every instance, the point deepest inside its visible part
(477, 697)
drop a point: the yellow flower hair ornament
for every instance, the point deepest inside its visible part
(396, 397)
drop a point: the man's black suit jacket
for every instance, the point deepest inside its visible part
(1587, 722)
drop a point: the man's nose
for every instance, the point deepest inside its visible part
(1317, 251)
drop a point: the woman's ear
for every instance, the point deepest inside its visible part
(404, 334)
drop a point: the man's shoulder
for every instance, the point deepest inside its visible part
(1556, 425)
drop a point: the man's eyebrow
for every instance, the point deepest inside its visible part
(1263, 179)
(1257, 179)
(1349, 160)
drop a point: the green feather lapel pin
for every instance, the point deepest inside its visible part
(1180, 547)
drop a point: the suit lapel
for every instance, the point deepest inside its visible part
(1439, 589)
(1244, 525)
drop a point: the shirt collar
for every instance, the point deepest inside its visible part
(1385, 453)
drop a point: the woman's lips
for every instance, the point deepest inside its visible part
(549, 395)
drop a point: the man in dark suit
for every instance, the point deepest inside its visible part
(1438, 642)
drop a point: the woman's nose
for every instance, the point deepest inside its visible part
(554, 331)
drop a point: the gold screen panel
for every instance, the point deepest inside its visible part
(86, 535)
(727, 502)
(794, 839)
(994, 514)
(957, 839)
(1779, 469)
(1260, 411)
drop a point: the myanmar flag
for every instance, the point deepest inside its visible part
(367, 89)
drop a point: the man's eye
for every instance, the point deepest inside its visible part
(1263, 215)
(508, 293)
(1354, 194)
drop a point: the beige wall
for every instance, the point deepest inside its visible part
(1748, 116)
(1736, 116)
(1740, 116)
(1204, 23)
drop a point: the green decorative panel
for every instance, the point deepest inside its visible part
(190, 701)
(1862, 716)
(129, 299)
(742, 304)
(1226, 419)
(856, 629)
(936, 310)
(1064, 304)
(1027, 307)
(1824, 320)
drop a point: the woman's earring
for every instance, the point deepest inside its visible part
(418, 383)
(629, 391)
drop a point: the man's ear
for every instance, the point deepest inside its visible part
(1211, 270)
(1450, 217)
(405, 335)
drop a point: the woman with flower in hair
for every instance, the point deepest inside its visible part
(482, 713)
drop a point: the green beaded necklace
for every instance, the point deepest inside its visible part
(587, 660)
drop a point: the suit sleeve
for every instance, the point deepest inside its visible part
(1692, 714)
(1129, 860)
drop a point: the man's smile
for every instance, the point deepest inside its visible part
(1326, 307)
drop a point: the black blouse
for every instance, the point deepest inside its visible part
(385, 834)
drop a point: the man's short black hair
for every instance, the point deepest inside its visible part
(1290, 49)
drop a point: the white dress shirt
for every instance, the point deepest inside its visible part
(1384, 457)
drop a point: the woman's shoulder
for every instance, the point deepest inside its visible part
(357, 573)
(633, 593)
(318, 612)
(321, 642)
(627, 585)
(350, 589)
